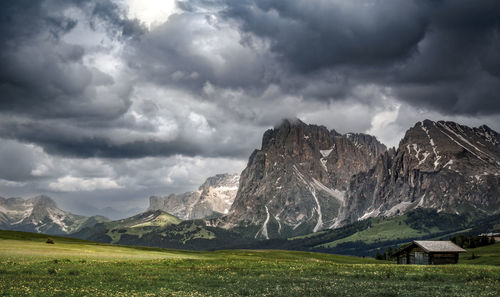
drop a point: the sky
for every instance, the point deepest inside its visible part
(104, 103)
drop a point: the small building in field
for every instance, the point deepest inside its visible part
(429, 253)
(496, 236)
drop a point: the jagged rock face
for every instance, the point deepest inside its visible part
(215, 196)
(439, 165)
(39, 214)
(179, 205)
(295, 183)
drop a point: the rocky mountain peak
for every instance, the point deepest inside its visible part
(43, 201)
(296, 181)
(430, 146)
(220, 180)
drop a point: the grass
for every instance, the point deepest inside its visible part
(383, 230)
(30, 267)
(485, 255)
(160, 221)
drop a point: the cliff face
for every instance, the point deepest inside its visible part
(214, 197)
(439, 165)
(296, 182)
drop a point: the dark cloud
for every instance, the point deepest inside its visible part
(435, 54)
(315, 35)
(45, 76)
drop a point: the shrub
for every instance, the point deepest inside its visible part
(52, 271)
(74, 272)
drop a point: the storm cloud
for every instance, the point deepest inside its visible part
(105, 99)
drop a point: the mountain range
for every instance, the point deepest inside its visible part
(306, 180)
(41, 214)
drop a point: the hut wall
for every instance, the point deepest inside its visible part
(444, 258)
(413, 259)
(426, 259)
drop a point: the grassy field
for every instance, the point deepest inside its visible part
(383, 230)
(30, 267)
(485, 255)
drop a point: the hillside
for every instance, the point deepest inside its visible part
(78, 268)
(113, 231)
(485, 255)
(157, 228)
(367, 237)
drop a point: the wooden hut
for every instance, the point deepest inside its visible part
(429, 253)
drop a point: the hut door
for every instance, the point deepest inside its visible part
(419, 258)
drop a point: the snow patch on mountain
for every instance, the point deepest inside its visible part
(263, 230)
(433, 145)
(444, 126)
(326, 153)
(339, 195)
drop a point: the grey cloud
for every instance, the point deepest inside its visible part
(111, 13)
(22, 157)
(192, 48)
(434, 54)
(66, 139)
(315, 35)
(44, 76)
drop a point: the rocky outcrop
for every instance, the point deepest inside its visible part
(40, 214)
(213, 198)
(296, 182)
(438, 165)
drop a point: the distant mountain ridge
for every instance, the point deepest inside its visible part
(306, 178)
(41, 214)
(213, 198)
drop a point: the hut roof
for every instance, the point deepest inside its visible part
(435, 247)
(439, 246)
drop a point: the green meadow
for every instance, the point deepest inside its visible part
(70, 267)
(485, 255)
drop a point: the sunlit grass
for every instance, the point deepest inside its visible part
(485, 255)
(383, 230)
